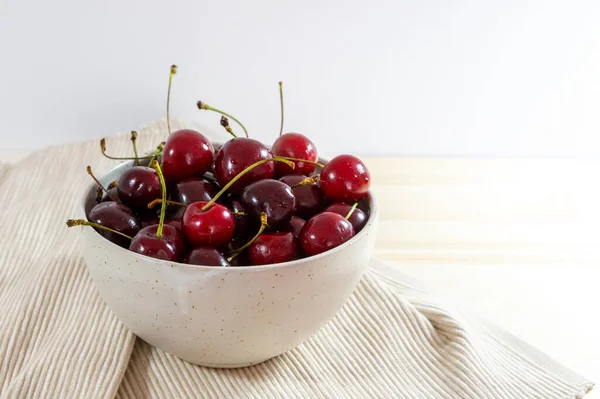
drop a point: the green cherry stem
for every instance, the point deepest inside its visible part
(307, 181)
(163, 207)
(281, 102)
(207, 107)
(135, 151)
(225, 124)
(81, 222)
(160, 201)
(89, 170)
(263, 226)
(351, 210)
(103, 149)
(157, 152)
(242, 173)
(173, 72)
(320, 165)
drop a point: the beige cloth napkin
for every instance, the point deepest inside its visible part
(391, 340)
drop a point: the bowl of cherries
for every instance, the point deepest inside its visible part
(228, 254)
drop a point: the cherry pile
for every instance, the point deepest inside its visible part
(240, 204)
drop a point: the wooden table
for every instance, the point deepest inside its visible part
(516, 240)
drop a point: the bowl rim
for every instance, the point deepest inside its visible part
(371, 221)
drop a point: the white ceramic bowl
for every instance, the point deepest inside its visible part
(224, 317)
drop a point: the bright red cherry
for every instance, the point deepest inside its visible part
(309, 198)
(205, 256)
(295, 145)
(345, 178)
(235, 156)
(213, 227)
(272, 197)
(323, 232)
(193, 189)
(295, 226)
(187, 153)
(169, 246)
(358, 217)
(273, 248)
(138, 186)
(117, 217)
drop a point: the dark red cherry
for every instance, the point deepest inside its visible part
(358, 219)
(193, 189)
(323, 232)
(117, 217)
(213, 227)
(271, 197)
(273, 248)
(170, 246)
(345, 178)
(138, 186)
(309, 198)
(242, 226)
(205, 256)
(241, 259)
(112, 195)
(295, 226)
(187, 153)
(294, 145)
(235, 156)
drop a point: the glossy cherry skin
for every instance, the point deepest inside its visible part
(323, 232)
(271, 197)
(213, 227)
(205, 256)
(295, 226)
(170, 246)
(294, 145)
(193, 189)
(273, 248)
(187, 153)
(309, 198)
(112, 195)
(235, 156)
(117, 217)
(345, 178)
(138, 186)
(358, 219)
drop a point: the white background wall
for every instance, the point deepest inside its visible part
(512, 77)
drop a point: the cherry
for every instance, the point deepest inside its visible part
(193, 189)
(150, 218)
(295, 226)
(112, 195)
(358, 218)
(117, 217)
(238, 154)
(271, 197)
(345, 178)
(138, 186)
(295, 145)
(273, 248)
(309, 197)
(170, 245)
(213, 226)
(323, 232)
(187, 153)
(234, 204)
(205, 256)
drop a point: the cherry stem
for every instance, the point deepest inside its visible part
(157, 152)
(263, 226)
(103, 149)
(99, 194)
(242, 173)
(207, 107)
(135, 152)
(225, 124)
(173, 72)
(89, 170)
(163, 207)
(281, 102)
(307, 181)
(159, 201)
(320, 165)
(113, 184)
(81, 222)
(351, 210)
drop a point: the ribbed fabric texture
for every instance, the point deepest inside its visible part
(391, 340)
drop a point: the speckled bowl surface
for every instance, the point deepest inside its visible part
(224, 317)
